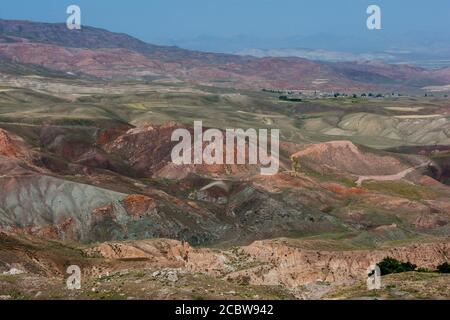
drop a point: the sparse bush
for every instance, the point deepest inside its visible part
(288, 98)
(390, 265)
(444, 268)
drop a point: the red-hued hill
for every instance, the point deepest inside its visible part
(104, 54)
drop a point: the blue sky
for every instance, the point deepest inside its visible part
(159, 20)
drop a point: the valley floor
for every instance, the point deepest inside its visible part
(86, 179)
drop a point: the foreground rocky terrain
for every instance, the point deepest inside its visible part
(34, 268)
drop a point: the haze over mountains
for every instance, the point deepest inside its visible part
(426, 49)
(99, 53)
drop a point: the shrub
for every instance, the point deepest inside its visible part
(444, 268)
(390, 265)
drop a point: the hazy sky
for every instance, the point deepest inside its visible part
(152, 20)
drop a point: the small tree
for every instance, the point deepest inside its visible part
(390, 265)
(444, 268)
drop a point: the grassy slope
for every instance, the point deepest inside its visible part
(217, 108)
(402, 286)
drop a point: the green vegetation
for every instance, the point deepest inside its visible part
(402, 189)
(444, 268)
(390, 265)
(398, 286)
(364, 121)
(291, 99)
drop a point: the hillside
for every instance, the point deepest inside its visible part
(100, 53)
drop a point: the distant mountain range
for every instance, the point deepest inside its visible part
(316, 54)
(424, 49)
(94, 52)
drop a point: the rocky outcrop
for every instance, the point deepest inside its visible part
(344, 157)
(38, 204)
(273, 262)
(12, 146)
(145, 149)
(292, 266)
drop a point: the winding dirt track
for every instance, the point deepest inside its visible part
(392, 177)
